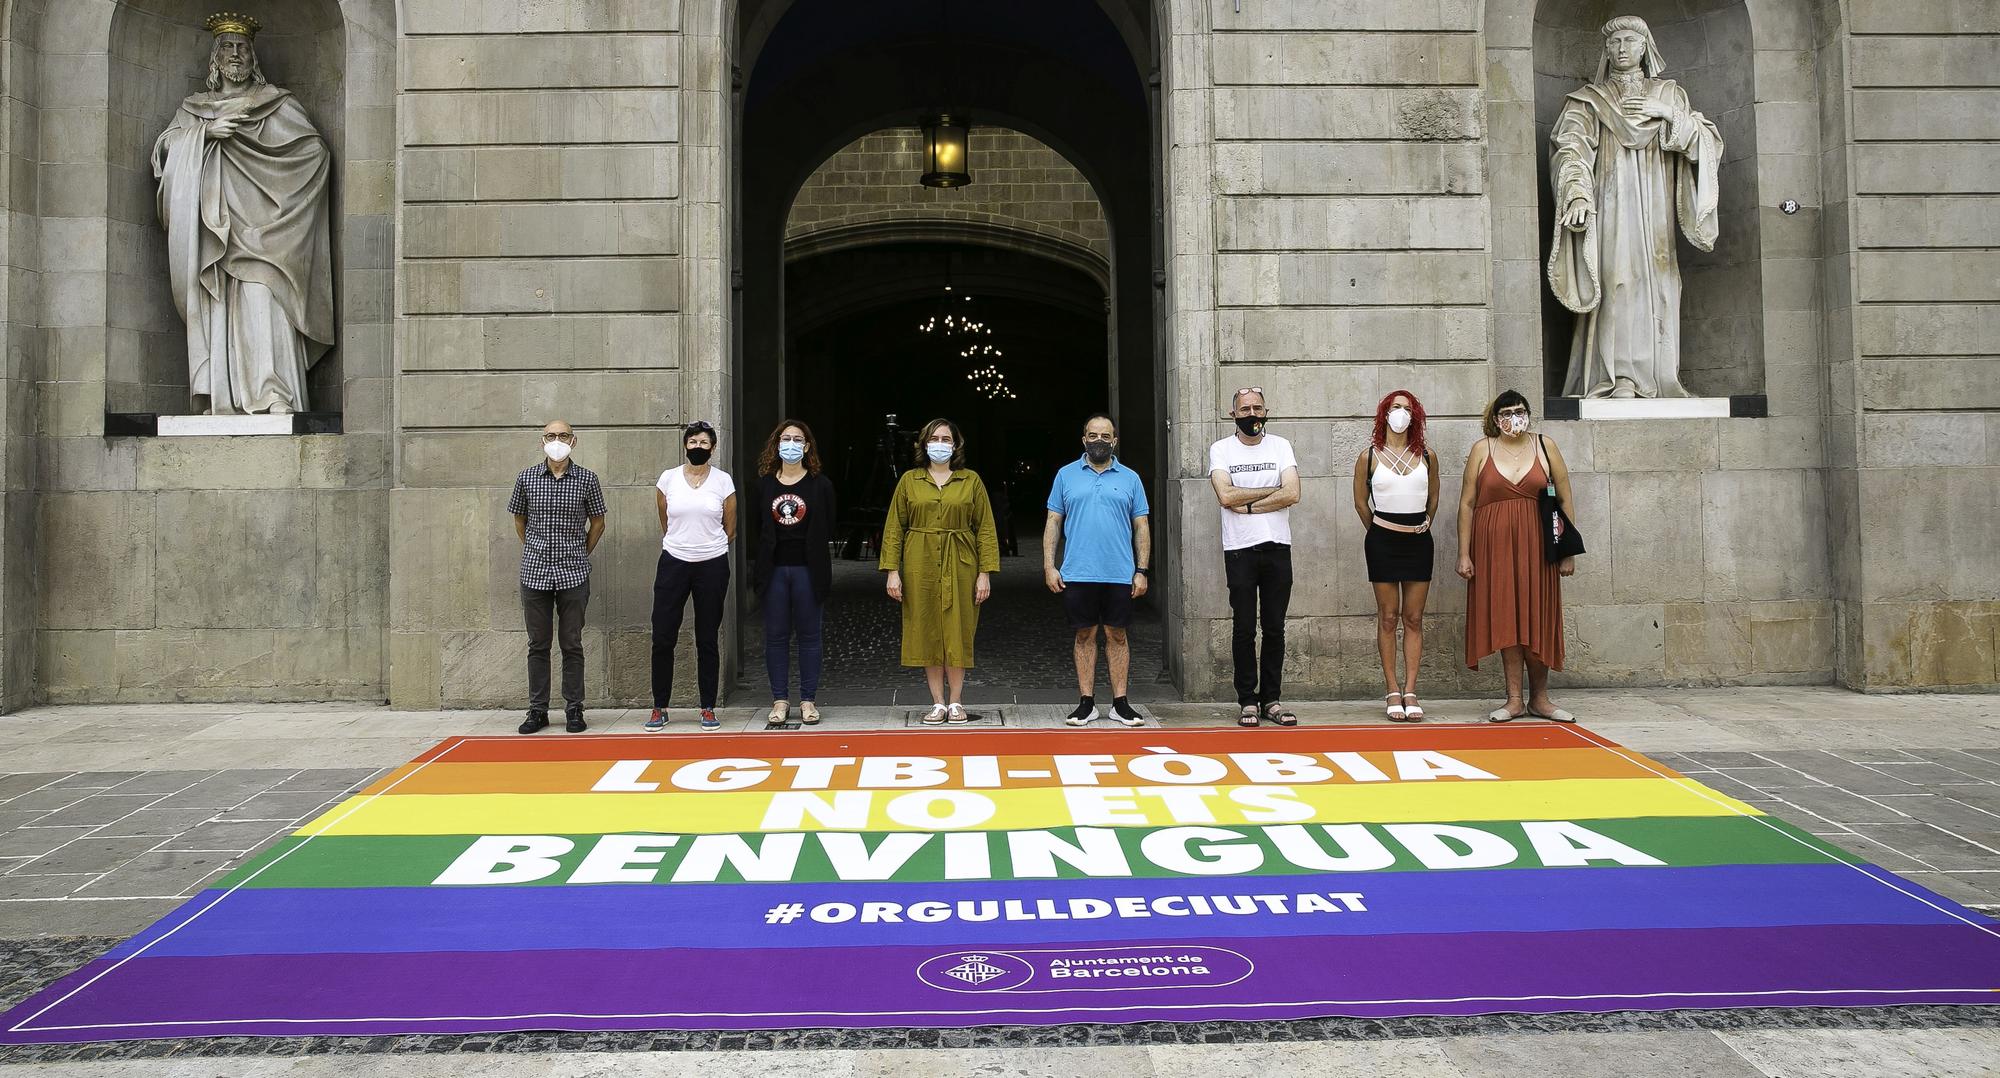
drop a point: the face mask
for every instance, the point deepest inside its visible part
(938, 451)
(1399, 419)
(1250, 425)
(791, 452)
(1098, 452)
(1513, 424)
(698, 455)
(557, 451)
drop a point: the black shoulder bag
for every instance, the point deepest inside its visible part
(1560, 539)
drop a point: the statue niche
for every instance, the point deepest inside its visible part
(244, 180)
(1629, 159)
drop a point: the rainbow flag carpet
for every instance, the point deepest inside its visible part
(1021, 877)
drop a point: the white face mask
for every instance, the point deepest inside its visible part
(938, 451)
(1399, 419)
(557, 451)
(1513, 424)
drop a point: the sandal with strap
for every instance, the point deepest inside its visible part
(1281, 714)
(780, 711)
(1412, 711)
(1395, 708)
(809, 713)
(1248, 717)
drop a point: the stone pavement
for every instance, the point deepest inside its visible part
(111, 816)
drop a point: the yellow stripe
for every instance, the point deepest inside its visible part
(1018, 810)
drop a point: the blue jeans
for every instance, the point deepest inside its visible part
(790, 609)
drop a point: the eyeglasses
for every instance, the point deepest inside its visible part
(1516, 410)
(566, 436)
(1259, 390)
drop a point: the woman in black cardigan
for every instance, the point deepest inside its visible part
(794, 517)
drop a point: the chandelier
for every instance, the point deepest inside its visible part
(990, 382)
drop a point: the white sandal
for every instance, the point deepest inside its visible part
(1395, 708)
(935, 716)
(780, 711)
(809, 713)
(1412, 712)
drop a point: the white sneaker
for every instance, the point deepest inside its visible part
(935, 716)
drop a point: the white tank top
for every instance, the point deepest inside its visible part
(1397, 493)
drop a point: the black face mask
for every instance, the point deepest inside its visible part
(1250, 425)
(698, 455)
(1098, 452)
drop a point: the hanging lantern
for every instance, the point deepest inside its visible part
(947, 146)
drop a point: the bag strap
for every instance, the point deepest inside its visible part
(1371, 478)
(1542, 454)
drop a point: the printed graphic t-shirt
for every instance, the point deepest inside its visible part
(1260, 465)
(789, 509)
(694, 514)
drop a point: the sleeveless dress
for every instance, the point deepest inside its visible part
(1515, 597)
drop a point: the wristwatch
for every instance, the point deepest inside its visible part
(1143, 571)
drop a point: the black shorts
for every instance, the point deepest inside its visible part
(1098, 604)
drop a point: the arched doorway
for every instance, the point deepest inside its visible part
(816, 79)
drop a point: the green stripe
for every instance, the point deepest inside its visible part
(416, 860)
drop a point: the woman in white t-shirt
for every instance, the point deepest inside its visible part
(697, 504)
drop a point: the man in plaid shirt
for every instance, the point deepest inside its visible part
(558, 512)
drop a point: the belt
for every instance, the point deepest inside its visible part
(949, 566)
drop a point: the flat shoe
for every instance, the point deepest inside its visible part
(809, 713)
(1501, 714)
(1558, 715)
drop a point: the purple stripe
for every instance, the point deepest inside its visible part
(640, 917)
(1467, 973)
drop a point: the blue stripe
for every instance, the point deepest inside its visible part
(331, 921)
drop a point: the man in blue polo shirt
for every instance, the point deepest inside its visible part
(1097, 508)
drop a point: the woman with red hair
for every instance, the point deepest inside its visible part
(1396, 495)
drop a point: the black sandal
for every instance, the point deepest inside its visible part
(1249, 716)
(1281, 714)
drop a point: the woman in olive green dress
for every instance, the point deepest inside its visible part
(939, 547)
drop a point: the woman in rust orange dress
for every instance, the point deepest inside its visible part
(1513, 603)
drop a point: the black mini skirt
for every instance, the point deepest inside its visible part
(1398, 557)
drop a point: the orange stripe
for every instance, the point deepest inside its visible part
(578, 776)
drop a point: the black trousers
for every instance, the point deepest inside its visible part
(1260, 590)
(708, 582)
(542, 609)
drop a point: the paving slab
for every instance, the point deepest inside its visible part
(1888, 1053)
(98, 809)
(160, 874)
(1692, 1054)
(36, 841)
(90, 854)
(1416, 1057)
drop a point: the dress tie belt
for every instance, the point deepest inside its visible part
(949, 566)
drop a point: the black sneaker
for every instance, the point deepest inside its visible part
(1086, 710)
(534, 722)
(575, 723)
(1123, 711)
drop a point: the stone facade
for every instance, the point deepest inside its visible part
(536, 218)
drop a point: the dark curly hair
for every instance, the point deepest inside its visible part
(767, 461)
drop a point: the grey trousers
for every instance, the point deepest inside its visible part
(542, 609)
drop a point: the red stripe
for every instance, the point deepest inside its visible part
(468, 750)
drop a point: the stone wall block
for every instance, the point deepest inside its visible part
(338, 663)
(1791, 638)
(1707, 643)
(438, 545)
(1683, 445)
(1615, 645)
(352, 570)
(1766, 535)
(415, 671)
(1952, 644)
(1656, 537)
(103, 578)
(230, 559)
(1930, 541)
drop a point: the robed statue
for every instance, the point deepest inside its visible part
(1630, 159)
(243, 195)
